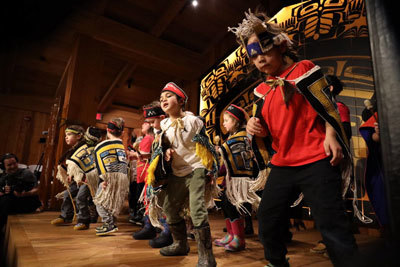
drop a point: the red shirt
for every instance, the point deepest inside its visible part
(344, 112)
(297, 131)
(142, 165)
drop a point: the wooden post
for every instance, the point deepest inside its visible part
(81, 96)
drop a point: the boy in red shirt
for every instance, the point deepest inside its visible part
(290, 109)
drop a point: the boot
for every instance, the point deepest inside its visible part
(227, 238)
(148, 231)
(164, 238)
(238, 241)
(204, 246)
(180, 245)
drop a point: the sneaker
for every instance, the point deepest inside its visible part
(60, 221)
(81, 226)
(100, 227)
(107, 229)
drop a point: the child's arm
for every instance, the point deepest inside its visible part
(332, 146)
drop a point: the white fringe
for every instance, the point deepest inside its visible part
(113, 197)
(238, 191)
(155, 211)
(75, 171)
(211, 192)
(259, 183)
(92, 180)
(62, 175)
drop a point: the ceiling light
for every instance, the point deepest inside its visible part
(195, 3)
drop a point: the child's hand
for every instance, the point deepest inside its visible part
(168, 154)
(69, 179)
(332, 147)
(254, 127)
(375, 135)
(104, 185)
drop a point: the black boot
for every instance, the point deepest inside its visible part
(204, 246)
(180, 245)
(164, 238)
(148, 231)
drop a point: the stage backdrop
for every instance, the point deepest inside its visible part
(332, 34)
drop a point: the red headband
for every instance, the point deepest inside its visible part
(172, 87)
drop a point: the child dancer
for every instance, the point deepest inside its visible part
(238, 161)
(295, 114)
(73, 138)
(112, 167)
(142, 155)
(185, 134)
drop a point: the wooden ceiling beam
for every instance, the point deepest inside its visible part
(146, 49)
(167, 17)
(119, 80)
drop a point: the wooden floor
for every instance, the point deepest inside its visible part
(33, 241)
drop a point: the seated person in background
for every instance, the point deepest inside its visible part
(18, 189)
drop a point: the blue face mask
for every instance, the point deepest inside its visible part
(254, 49)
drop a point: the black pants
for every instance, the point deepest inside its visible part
(228, 209)
(135, 189)
(321, 185)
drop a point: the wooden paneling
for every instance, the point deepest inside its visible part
(20, 133)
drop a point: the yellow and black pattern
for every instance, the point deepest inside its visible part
(111, 157)
(238, 156)
(83, 157)
(313, 85)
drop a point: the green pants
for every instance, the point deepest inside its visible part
(179, 189)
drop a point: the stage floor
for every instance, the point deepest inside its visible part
(33, 241)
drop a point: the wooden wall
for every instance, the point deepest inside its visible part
(21, 130)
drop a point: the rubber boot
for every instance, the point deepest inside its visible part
(227, 238)
(180, 245)
(148, 231)
(164, 238)
(204, 247)
(238, 241)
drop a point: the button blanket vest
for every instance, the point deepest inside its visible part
(238, 159)
(112, 168)
(81, 164)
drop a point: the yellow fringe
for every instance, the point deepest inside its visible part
(150, 171)
(206, 156)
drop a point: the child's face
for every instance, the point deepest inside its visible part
(71, 139)
(229, 123)
(169, 102)
(146, 127)
(271, 62)
(155, 122)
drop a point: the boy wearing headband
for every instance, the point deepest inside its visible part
(82, 173)
(73, 136)
(112, 167)
(191, 155)
(294, 114)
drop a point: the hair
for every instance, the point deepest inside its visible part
(238, 124)
(78, 128)
(246, 29)
(336, 83)
(120, 123)
(7, 156)
(153, 104)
